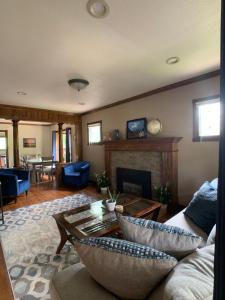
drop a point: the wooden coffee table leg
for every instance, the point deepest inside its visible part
(155, 214)
(64, 238)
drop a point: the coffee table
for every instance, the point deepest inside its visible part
(95, 220)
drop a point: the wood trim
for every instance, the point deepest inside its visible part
(25, 124)
(37, 114)
(167, 146)
(157, 91)
(16, 156)
(5, 284)
(196, 137)
(60, 130)
(156, 144)
(7, 147)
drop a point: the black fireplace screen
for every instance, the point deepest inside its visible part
(134, 182)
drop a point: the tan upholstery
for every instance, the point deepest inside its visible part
(182, 221)
(75, 283)
(191, 279)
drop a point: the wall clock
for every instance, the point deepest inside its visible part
(154, 126)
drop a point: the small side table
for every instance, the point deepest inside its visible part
(1, 205)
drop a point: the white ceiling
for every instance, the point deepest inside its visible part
(43, 43)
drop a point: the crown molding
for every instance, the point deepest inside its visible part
(157, 91)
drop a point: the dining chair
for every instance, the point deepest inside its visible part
(48, 167)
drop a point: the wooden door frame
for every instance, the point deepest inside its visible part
(7, 147)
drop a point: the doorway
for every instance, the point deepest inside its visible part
(4, 159)
(67, 145)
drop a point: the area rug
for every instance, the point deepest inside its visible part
(30, 238)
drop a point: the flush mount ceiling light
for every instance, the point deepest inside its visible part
(21, 93)
(97, 8)
(78, 84)
(172, 60)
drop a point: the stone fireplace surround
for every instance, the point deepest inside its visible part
(159, 155)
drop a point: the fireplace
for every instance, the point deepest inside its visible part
(132, 181)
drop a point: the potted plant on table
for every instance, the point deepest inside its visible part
(111, 202)
(102, 182)
(163, 195)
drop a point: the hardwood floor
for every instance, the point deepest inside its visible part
(5, 284)
(45, 192)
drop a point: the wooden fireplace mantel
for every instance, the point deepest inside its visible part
(154, 144)
(168, 148)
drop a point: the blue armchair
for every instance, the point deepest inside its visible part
(14, 182)
(76, 174)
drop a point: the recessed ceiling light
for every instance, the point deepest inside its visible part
(172, 60)
(81, 103)
(98, 8)
(21, 93)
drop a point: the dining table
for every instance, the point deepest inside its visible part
(37, 164)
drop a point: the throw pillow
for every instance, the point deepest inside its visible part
(126, 269)
(191, 279)
(212, 236)
(214, 183)
(173, 240)
(202, 209)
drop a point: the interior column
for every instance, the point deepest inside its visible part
(60, 126)
(16, 157)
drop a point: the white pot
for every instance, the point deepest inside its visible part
(110, 205)
(104, 190)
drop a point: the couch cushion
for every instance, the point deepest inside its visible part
(170, 239)
(202, 209)
(128, 270)
(75, 283)
(184, 222)
(191, 279)
(212, 236)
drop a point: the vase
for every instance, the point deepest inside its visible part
(163, 210)
(116, 134)
(104, 190)
(110, 205)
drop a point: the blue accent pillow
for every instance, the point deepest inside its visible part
(202, 208)
(214, 183)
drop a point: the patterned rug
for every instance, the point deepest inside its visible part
(30, 238)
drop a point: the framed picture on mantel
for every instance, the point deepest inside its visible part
(137, 129)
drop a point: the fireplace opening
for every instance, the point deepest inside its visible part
(135, 182)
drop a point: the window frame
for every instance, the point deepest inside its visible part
(196, 136)
(92, 123)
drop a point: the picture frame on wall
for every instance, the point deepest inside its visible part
(29, 142)
(137, 129)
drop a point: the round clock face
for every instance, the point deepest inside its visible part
(154, 126)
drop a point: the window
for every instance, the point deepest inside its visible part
(94, 132)
(206, 119)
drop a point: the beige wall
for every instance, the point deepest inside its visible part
(198, 161)
(41, 133)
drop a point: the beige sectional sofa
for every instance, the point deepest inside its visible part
(192, 278)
